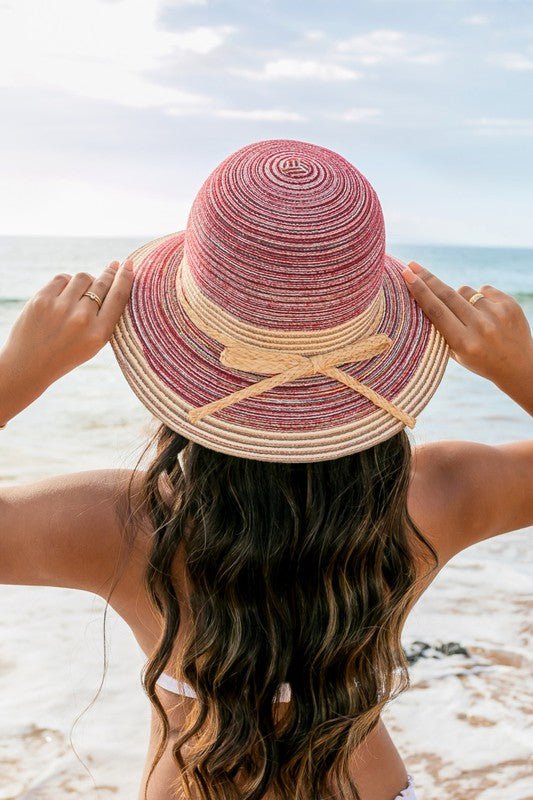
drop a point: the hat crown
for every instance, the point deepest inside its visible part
(294, 167)
(287, 235)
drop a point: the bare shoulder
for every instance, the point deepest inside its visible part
(464, 492)
(70, 530)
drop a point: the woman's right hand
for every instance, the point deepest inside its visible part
(491, 338)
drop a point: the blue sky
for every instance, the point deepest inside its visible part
(115, 111)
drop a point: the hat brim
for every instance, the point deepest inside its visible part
(311, 419)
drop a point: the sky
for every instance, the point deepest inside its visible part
(114, 112)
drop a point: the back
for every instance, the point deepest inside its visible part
(441, 488)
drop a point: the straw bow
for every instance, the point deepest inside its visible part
(285, 367)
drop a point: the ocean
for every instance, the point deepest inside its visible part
(462, 728)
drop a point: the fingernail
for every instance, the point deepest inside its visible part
(128, 264)
(114, 264)
(414, 266)
(408, 275)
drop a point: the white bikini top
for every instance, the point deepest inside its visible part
(283, 695)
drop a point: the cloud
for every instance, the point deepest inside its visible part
(267, 114)
(99, 50)
(361, 115)
(476, 20)
(503, 126)
(299, 69)
(204, 39)
(170, 3)
(516, 62)
(386, 46)
(356, 115)
(314, 35)
(264, 114)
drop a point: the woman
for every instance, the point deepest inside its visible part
(267, 559)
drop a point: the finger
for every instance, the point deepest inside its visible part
(76, 287)
(56, 285)
(466, 291)
(116, 299)
(491, 293)
(438, 312)
(454, 300)
(474, 298)
(101, 285)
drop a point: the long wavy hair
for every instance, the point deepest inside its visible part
(301, 573)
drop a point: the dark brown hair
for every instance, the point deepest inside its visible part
(301, 573)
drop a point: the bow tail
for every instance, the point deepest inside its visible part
(370, 394)
(292, 374)
(252, 390)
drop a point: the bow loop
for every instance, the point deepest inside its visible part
(261, 360)
(352, 353)
(264, 361)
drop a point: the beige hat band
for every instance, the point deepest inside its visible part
(228, 329)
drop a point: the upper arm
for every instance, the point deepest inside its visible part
(65, 531)
(466, 492)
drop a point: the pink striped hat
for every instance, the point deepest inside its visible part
(275, 327)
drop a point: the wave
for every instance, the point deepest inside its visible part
(523, 297)
(12, 301)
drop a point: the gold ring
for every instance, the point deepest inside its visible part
(475, 297)
(94, 297)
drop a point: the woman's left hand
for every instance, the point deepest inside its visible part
(60, 328)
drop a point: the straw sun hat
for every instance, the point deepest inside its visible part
(275, 327)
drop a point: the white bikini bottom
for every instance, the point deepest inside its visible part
(282, 695)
